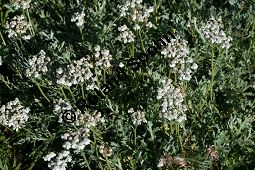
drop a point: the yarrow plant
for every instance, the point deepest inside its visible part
(138, 13)
(59, 161)
(177, 53)
(21, 4)
(213, 32)
(173, 107)
(78, 18)
(103, 57)
(76, 140)
(138, 117)
(14, 115)
(18, 27)
(38, 65)
(129, 84)
(77, 72)
(126, 35)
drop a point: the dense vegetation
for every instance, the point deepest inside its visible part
(132, 84)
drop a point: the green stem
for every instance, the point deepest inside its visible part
(132, 50)
(140, 37)
(41, 91)
(135, 134)
(30, 22)
(86, 161)
(175, 78)
(108, 163)
(95, 4)
(212, 76)
(2, 38)
(6, 83)
(62, 90)
(156, 10)
(95, 145)
(72, 94)
(252, 36)
(82, 91)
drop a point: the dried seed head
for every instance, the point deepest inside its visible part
(212, 153)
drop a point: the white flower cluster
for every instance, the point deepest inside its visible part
(58, 162)
(173, 107)
(76, 140)
(138, 13)
(23, 4)
(37, 65)
(14, 115)
(180, 62)
(77, 72)
(137, 117)
(78, 18)
(18, 27)
(102, 57)
(126, 35)
(1, 62)
(61, 107)
(80, 138)
(105, 151)
(213, 31)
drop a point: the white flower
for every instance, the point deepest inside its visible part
(137, 117)
(139, 14)
(38, 65)
(121, 64)
(126, 35)
(213, 31)
(149, 25)
(76, 72)
(60, 161)
(97, 48)
(18, 27)
(131, 110)
(24, 4)
(136, 27)
(78, 18)
(102, 57)
(172, 99)
(1, 62)
(194, 66)
(49, 156)
(177, 53)
(13, 114)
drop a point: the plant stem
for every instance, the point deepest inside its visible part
(62, 90)
(108, 163)
(2, 38)
(86, 161)
(135, 134)
(72, 94)
(212, 76)
(82, 91)
(132, 50)
(30, 22)
(140, 37)
(41, 91)
(252, 36)
(95, 145)
(156, 10)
